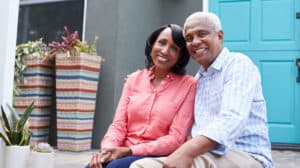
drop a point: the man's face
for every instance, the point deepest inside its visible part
(203, 43)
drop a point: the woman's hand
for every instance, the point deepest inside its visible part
(96, 161)
(108, 154)
(112, 153)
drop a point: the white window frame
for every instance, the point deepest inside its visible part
(30, 2)
(9, 11)
(8, 35)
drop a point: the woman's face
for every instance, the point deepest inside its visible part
(165, 53)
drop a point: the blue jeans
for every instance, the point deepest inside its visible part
(123, 162)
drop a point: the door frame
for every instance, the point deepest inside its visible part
(205, 5)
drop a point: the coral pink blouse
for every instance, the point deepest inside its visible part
(153, 121)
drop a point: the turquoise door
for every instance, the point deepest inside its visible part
(268, 31)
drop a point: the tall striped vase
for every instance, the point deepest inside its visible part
(76, 88)
(37, 87)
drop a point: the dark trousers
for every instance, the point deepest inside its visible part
(123, 162)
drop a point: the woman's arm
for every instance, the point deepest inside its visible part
(117, 131)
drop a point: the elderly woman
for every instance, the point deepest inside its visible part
(155, 111)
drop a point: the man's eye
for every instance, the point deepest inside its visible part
(203, 34)
(188, 38)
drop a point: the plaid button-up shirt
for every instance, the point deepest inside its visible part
(230, 108)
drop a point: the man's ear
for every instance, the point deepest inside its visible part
(221, 35)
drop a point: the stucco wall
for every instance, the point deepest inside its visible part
(176, 11)
(123, 26)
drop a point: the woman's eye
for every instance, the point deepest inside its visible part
(174, 48)
(162, 42)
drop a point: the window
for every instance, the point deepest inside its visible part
(46, 19)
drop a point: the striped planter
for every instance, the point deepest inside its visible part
(37, 87)
(76, 88)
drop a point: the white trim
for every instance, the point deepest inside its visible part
(8, 34)
(84, 19)
(205, 5)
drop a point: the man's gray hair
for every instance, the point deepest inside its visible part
(211, 18)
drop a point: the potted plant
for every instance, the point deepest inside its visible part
(77, 66)
(16, 136)
(42, 155)
(33, 81)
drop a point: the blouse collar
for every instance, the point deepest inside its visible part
(170, 76)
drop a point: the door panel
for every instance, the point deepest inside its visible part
(236, 34)
(259, 24)
(268, 32)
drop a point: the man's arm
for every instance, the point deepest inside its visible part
(184, 156)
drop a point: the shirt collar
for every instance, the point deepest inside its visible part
(215, 66)
(219, 61)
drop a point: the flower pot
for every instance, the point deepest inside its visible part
(16, 156)
(37, 87)
(2, 147)
(76, 89)
(40, 159)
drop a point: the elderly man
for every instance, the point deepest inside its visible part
(230, 128)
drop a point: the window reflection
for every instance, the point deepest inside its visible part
(46, 20)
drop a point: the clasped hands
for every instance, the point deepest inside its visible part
(176, 160)
(108, 154)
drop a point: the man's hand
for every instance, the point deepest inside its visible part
(179, 159)
(184, 156)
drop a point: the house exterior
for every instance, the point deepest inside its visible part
(255, 27)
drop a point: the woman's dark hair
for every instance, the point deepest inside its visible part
(177, 36)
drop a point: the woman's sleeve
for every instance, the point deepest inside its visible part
(117, 131)
(178, 130)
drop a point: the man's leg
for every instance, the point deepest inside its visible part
(232, 159)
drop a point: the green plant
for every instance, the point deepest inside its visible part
(31, 48)
(72, 45)
(16, 129)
